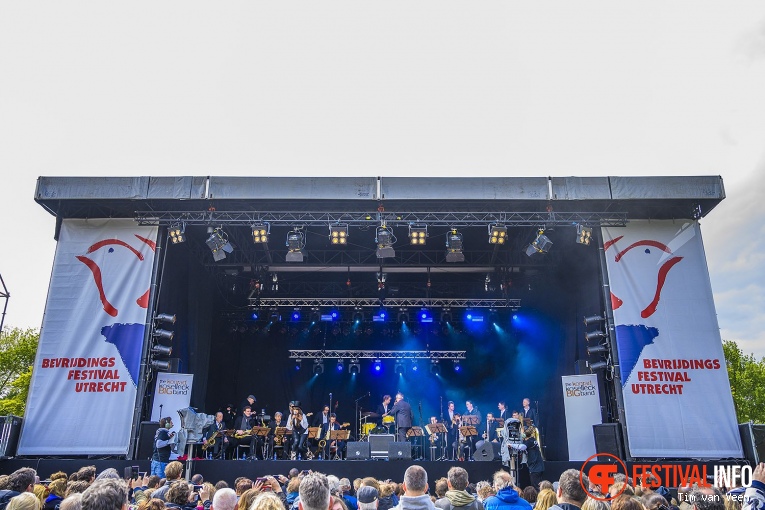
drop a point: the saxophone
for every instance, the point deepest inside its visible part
(211, 441)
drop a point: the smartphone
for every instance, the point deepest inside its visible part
(266, 485)
(197, 488)
(304, 472)
(141, 474)
(131, 472)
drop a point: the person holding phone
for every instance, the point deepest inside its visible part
(163, 439)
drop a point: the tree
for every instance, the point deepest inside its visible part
(17, 356)
(747, 383)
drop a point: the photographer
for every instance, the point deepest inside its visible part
(163, 439)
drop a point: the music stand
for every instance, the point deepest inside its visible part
(437, 428)
(313, 432)
(416, 432)
(338, 435)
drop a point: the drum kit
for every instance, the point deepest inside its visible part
(370, 427)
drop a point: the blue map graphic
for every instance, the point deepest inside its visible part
(128, 339)
(632, 340)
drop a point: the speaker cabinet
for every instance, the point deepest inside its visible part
(146, 439)
(9, 435)
(357, 451)
(753, 442)
(608, 439)
(488, 451)
(400, 451)
(378, 445)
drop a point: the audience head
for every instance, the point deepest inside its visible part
(314, 492)
(105, 494)
(502, 480)
(570, 488)
(178, 493)
(173, 470)
(24, 501)
(72, 502)
(457, 478)
(545, 499)
(416, 481)
(367, 498)
(224, 499)
(22, 480)
(267, 501)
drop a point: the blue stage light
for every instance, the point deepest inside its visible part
(377, 365)
(295, 316)
(255, 316)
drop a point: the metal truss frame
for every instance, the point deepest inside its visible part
(387, 303)
(367, 218)
(355, 355)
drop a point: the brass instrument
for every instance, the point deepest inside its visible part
(211, 441)
(246, 433)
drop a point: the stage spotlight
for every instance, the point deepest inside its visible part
(273, 315)
(425, 316)
(315, 315)
(340, 365)
(593, 335)
(435, 367)
(162, 350)
(177, 233)
(380, 316)
(298, 364)
(163, 334)
(541, 244)
(592, 319)
(358, 315)
(414, 365)
(318, 367)
(417, 234)
(457, 367)
(472, 316)
(165, 317)
(583, 235)
(385, 239)
(377, 366)
(446, 316)
(598, 365)
(597, 349)
(454, 246)
(354, 367)
(218, 244)
(330, 316)
(260, 233)
(295, 244)
(497, 234)
(399, 368)
(403, 316)
(161, 365)
(255, 315)
(338, 234)
(295, 315)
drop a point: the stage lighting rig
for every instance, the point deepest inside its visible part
(399, 368)
(177, 233)
(318, 367)
(435, 367)
(417, 234)
(218, 244)
(260, 233)
(295, 244)
(338, 234)
(497, 234)
(159, 351)
(454, 246)
(385, 239)
(583, 235)
(541, 244)
(354, 367)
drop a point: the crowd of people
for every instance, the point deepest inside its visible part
(86, 489)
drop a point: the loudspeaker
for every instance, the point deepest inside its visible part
(378, 445)
(488, 451)
(357, 451)
(9, 435)
(753, 441)
(400, 451)
(146, 439)
(608, 439)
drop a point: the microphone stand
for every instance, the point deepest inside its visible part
(358, 416)
(422, 437)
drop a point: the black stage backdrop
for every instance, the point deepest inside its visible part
(521, 356)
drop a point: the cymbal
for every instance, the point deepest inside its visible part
(370, 414)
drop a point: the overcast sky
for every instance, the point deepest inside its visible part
(431, 88)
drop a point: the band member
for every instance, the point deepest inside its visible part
(383, 409)
(492, 426)
(528, 412)
(249, 401)
(222, 443)
(298, 427)
(472, 417)
(332, 447)
(322, 419)
(402, 412)
(243, 426)
(273, 441)
(504, 414)
(229, 416)
(452, 430)
(435, 439)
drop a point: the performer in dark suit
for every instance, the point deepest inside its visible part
(383, 409)
(243, 424)
(452, 422)
(402, 412)
(529, 412)
(285, 439)
(503, 412)
(332, 447)
(222, 443)
(472, 417)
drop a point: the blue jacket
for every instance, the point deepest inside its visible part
(506, 499)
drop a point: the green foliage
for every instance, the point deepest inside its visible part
(747, 382)
(17, 355)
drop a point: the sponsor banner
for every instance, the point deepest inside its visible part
(172, 392)
(582, 407)
(677, 396)
(83, 389)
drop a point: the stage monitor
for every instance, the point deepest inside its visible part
(357, 451)
(400, 451)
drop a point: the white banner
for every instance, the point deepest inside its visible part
(172, 392)
(83, 387)
(677, 396)
(581, 404)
